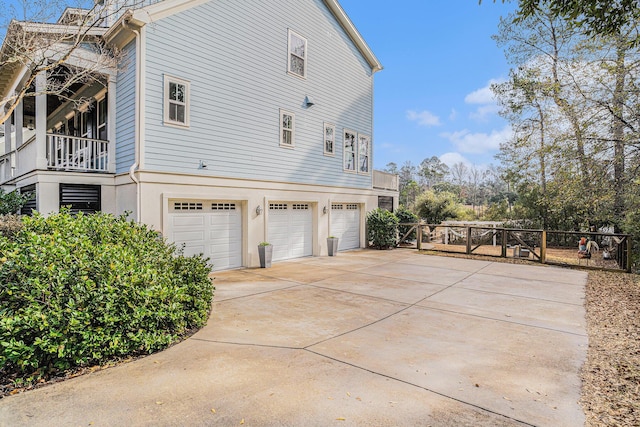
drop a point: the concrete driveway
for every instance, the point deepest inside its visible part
(367, 338)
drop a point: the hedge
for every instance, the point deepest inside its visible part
(82, 290)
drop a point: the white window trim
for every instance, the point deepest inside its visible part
(368, 172)
(170, 79)
(324, 139)
(355, 151)
(306, 54)
(293, 129)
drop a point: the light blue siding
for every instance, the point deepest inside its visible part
(125, 110)
(234, 54)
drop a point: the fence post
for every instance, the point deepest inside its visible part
(504, 243)
(468, 240)
(628, 254)
(543, 247)
(419, 235)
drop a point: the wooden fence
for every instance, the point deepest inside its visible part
(611, 252)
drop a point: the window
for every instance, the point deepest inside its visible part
(102, 119)
(87, 122)
(329, 139)
(364, 145)
(287, 128)
(349, 150)
(297, 55)
(187, 206)
(176, 101)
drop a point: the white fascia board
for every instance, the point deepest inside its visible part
(80, 57)
(353, 33)
(36, 27)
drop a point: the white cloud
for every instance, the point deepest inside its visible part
(424, 118)
(451, 159)
(477, 143)
(486, 100)
(484, 111)
(453, 115)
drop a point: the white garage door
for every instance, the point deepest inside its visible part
(290, 230)
(345, 225)
(212, 228)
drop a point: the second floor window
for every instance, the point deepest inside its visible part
(349, 151)
(176, 101)
(287, 128)
(364, 146)
(329, 139)
(297, 55)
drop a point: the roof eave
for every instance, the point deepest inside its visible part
(354, 34)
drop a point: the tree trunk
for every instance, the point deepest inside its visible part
(617, 130)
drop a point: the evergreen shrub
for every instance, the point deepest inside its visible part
(382, 229)
(82, 290)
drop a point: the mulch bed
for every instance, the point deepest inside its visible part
(611, 375)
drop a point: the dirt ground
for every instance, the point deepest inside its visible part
(611, 375)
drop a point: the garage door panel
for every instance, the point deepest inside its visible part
(214, 229)
(191, 249)
(186, 220)
(345, 225)
(189, 236)
(290, 230)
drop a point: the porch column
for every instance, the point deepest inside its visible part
(41, 121)
(8, 143)
(7, 133)
(111, 123)
(18, 115)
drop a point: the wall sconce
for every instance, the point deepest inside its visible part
(30, 125)
(308, 101)
(259, 210)
(324, 210)
(202, 165)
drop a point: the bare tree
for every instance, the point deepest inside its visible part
(69, 51)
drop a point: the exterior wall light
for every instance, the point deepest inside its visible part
(324, 210)
(259, 210)
(308, 101)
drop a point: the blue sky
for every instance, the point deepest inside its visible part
(432, 97)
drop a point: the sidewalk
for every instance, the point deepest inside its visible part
(367, 338)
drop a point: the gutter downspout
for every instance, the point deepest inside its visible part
(136, 163)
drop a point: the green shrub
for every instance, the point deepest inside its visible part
(404, 215)
(82, 290)
(382, 228)
(10, 203)
(437, 207)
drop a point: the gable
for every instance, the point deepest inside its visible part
(167, 8)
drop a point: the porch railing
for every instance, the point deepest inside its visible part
(385, 180)
(77, 154)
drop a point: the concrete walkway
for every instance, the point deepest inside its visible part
(367, 338)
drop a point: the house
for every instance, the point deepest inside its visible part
(225, 124)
